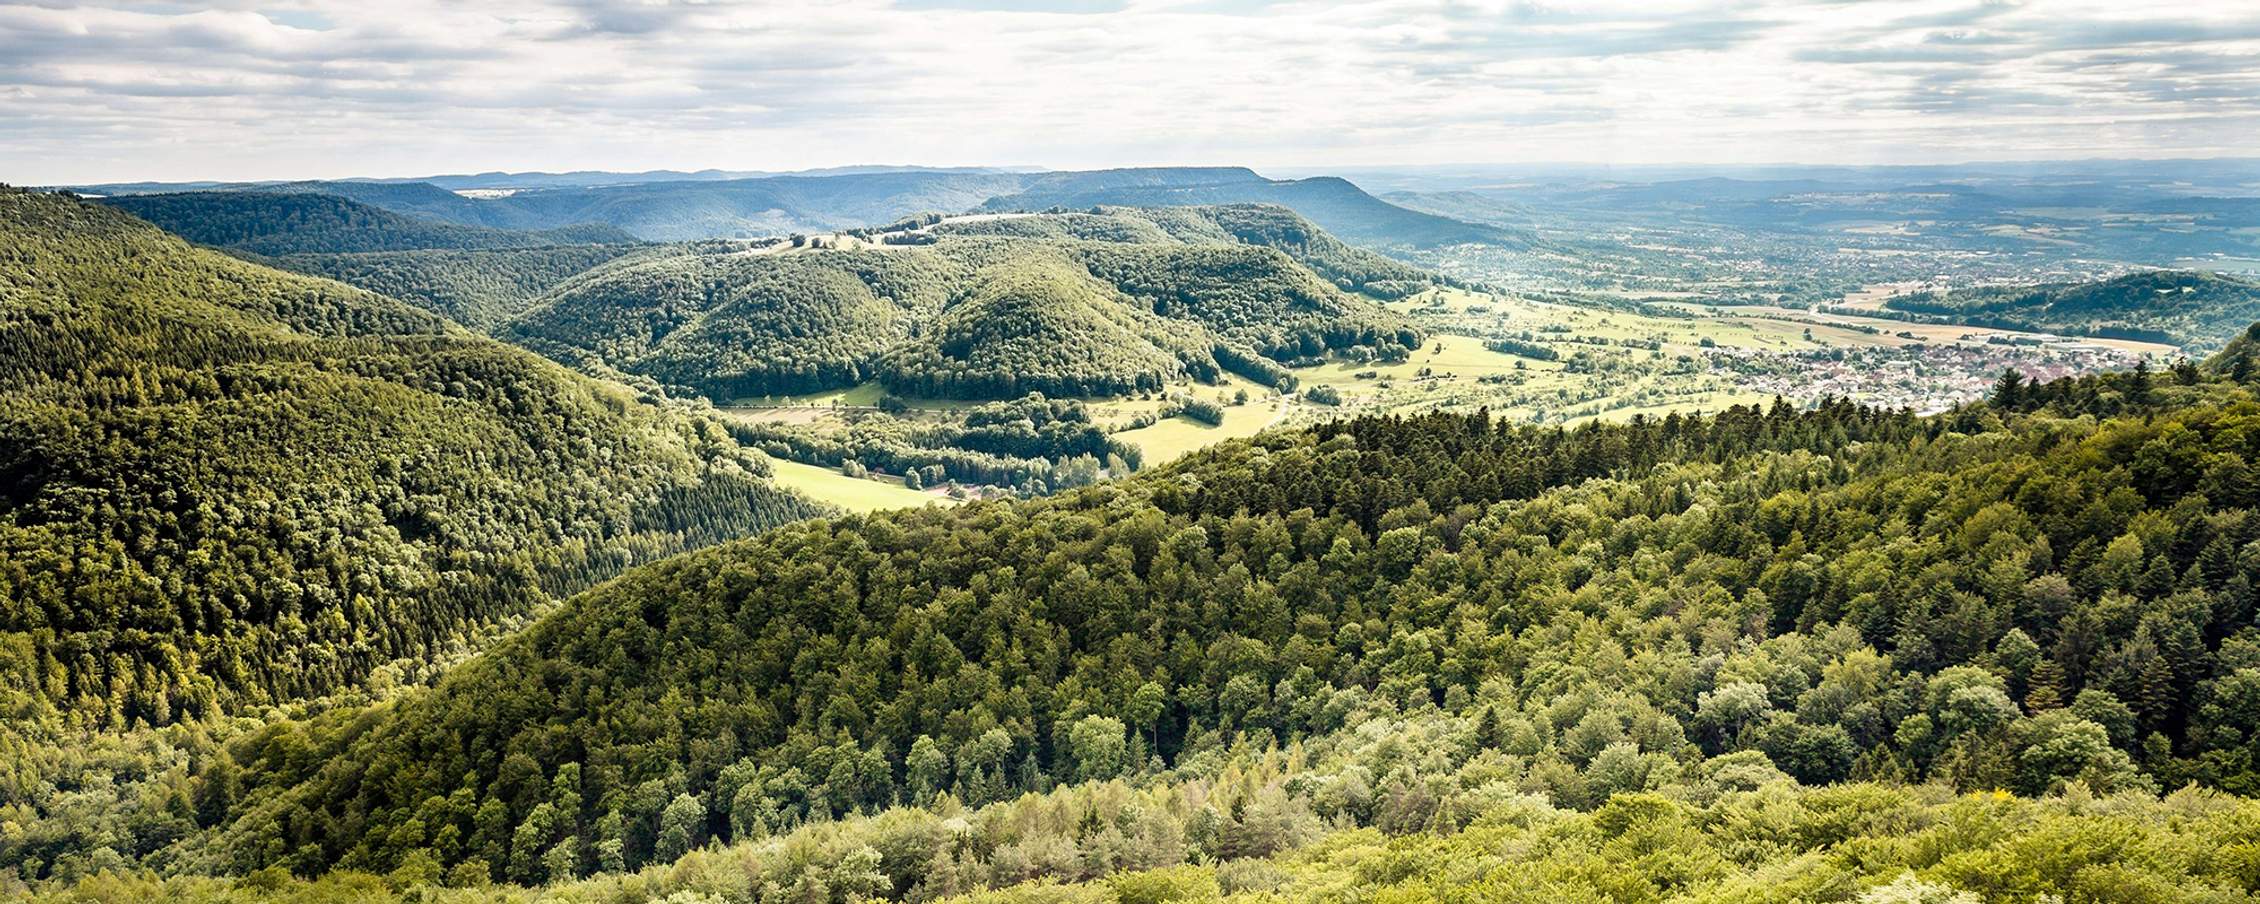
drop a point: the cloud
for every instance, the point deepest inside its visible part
(303, 88)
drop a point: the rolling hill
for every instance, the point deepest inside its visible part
(276, 223)
(981, 310)
(222, 485)
(1334, 204)
(2180, 307)
(480, 289)
(1265, 225)
(780, 205)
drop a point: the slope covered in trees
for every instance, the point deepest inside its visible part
(274, 223)
(778, 205)
(730, 324)
(224, 485)
(1438, 621)
(480, 289)
(1037, 322)
(1267, 225)
(1339, 206)
(2180, 307)
(988, 311)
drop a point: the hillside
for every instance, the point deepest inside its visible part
(780, 205)
(2188, 308)
(480, 289)
(733, 324)
(1265, 225)
(1038, 322)
(276, 223)
(1383, 627)
(222, 485)
(986, 309)
(1334, 204)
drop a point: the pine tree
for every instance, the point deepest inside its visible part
(2047, 687)
(2009, 391)
(1487, 734)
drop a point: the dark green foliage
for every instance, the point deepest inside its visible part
(224, 485)
(1205, 411)
(2179, 307)
(277, 223)
(479, 289)
(1525, 348)
(1841, 593)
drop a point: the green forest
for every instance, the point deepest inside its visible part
(308, 593)
(481, 289)
(226, 486)
(2178, 307)
(1094, 304)
(2004, 654)
(1031, 445)
(277, 223)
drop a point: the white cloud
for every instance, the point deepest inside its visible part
(305, 88)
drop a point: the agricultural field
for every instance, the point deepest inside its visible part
(1562, 357)
(855, 494)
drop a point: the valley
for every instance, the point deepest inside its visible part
(1099, 452)
(1065, 544)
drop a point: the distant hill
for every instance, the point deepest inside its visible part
(1340, 207)
(593, 178)
(983, 308)
(1473, 207)
(676, 211)
(2180, 307)
(222, 484)
(702, 207)
(1266, 225)
(295, 222)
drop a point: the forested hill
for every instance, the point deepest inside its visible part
(778, 205)
(223, 485)
(1336, 204)
(480, 289)
(1442, 620)
(1266, 225)
(274, 223)
(2180, 307)
(1063, 304)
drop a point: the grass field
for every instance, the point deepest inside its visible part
(852, 493)
(1170, 439)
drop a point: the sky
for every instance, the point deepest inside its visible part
(328, 88)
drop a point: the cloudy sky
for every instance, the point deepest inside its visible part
(309, 88)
